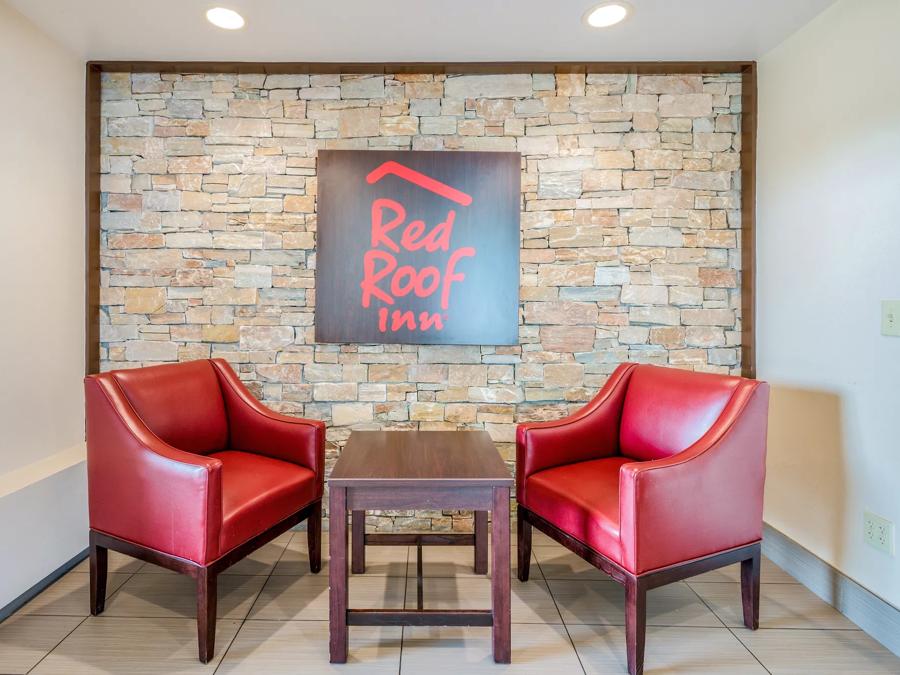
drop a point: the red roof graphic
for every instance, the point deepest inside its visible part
(419, 179)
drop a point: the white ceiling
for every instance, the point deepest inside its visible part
(418, 30)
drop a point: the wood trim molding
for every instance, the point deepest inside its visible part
(749, 118)
(466, 67)
(92, 219)
(748, 152)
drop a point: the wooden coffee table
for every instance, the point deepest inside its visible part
(420, 470)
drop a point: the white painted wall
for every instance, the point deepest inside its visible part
(43, 512)
(828, 253)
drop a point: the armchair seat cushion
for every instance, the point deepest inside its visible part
(258, 491)
(583, 500)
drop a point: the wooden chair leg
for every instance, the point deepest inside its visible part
(99, 557)
(206, 614)
(750, 571)
(314, 538)
(523, 529)
(635, 623)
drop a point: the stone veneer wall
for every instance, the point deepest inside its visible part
(630, 224)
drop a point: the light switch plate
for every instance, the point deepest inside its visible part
(890, 317)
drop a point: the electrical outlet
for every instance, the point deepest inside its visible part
(879, 532)
(890, 317)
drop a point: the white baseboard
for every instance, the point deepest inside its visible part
(17, 603)
(43, 527)
(875, 616)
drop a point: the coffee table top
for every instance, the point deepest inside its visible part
(420, 458)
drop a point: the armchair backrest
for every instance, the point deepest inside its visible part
(666, 410)
(181, 403)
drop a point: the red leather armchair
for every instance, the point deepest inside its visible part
(658, 478)
(187, 470)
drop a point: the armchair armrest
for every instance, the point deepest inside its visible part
(590, 433)
(142, 489)
(704, 500)
(255, 428)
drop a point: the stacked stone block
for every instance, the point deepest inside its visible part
(630, 237)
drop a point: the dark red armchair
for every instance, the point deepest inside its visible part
(658, 478)
(187, 470)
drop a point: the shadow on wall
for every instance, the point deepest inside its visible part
(807, 469)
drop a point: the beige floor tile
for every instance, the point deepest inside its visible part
(291, 647)
(26, 639)
(456, 561)
(376, 592)
(559, 563)
(380, 560)
(294, 559)
(530, 602)
(163, 595)
(780, 606)
(154, 646)
(117, 562)
(286, 598)
(603, 602)
(70, 595)
(769, 574)
(668, 650)
(388, 561)
(801, 652)
(288, 624)
(538, 538)
(536, 648)
(446, 561)
(263, 559)
(260, 562)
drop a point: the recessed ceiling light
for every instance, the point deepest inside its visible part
(607, 14)
(225, 18)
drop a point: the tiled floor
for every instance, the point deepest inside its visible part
(567, 619)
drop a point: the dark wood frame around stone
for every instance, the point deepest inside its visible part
(94, 69)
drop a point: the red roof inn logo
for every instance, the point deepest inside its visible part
(417, 247)
(380, 263)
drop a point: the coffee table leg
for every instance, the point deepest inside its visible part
(337, 574)
(358, 538)
(420, 600)
(500, 590)
(481, 542)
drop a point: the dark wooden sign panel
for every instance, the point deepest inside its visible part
(418, 247)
